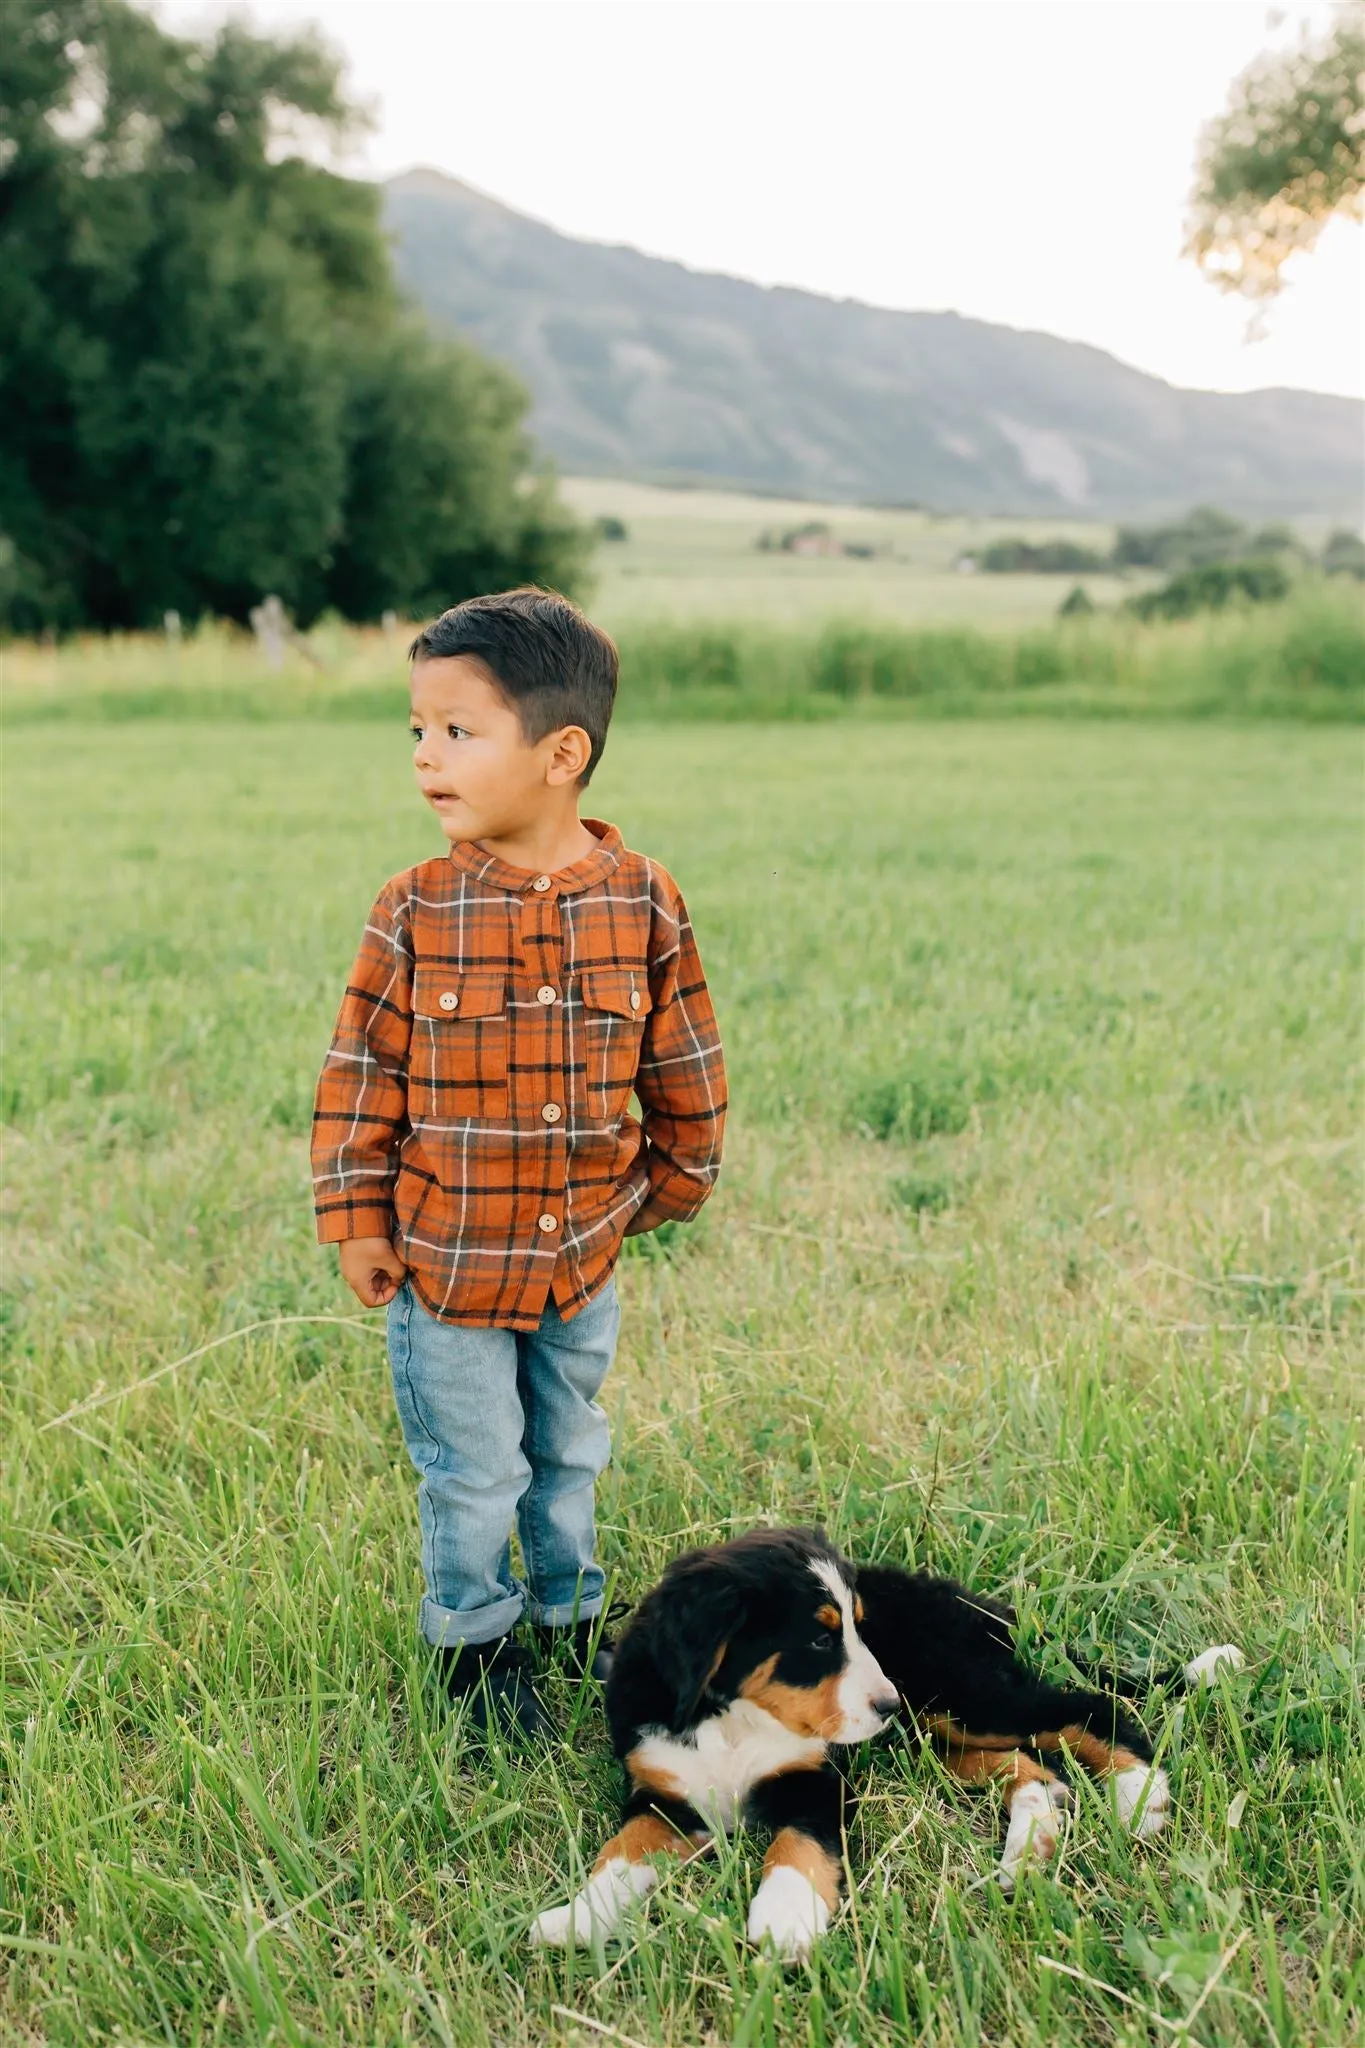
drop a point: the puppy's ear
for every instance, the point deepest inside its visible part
(697, 1610)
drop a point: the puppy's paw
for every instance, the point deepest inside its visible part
(599, 1908)
(1034, 1831)
(1211, 1665)
(556, 1927)
(1142, 1795)
(788, 1912)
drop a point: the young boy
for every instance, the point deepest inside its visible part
(473, 1152)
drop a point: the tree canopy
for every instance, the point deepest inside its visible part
(1287, 155)
(209, 387)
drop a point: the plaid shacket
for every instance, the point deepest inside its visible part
(473, 1107)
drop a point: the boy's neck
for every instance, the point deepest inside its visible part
(545, 845)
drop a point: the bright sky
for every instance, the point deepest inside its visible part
(1025, 161)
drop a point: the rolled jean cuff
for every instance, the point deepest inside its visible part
(445, 1628)
(565, 1616)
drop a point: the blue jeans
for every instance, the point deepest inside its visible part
(503, 1424)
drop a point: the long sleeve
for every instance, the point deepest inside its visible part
(681, 1078)
(360, 1111)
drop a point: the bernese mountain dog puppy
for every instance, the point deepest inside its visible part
(751, 1660)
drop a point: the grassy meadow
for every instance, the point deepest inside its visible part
(690, 553)
(1032, 1261)
(1303, 658)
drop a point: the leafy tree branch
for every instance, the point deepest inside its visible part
(1286, 157)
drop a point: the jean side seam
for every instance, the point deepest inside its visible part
(525, 1533)
(434, 1451)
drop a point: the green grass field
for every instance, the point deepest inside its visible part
(691, 553)
(1032, 1261)
(1303, 658)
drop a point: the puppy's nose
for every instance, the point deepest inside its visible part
(885, 1704)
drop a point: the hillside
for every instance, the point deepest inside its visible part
(640, 367)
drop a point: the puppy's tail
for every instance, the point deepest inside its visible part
(1206, 1669)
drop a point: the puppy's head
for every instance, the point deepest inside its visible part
(771, 1618)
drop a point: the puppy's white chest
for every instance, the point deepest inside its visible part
(717, 1766)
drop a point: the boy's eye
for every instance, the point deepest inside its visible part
(458, 732)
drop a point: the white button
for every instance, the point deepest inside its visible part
(546, 994)
(552, 1112)
(635, 999)
(548, 1222)
(541, 883)
(448, 999)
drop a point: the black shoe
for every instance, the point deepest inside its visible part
(493, 1681)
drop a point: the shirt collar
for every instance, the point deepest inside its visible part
(604, 860)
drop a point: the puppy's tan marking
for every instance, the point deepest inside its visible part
(1102, 1759)
(813, 1711)
(715, 1665)
(791, 1850)
(1010, 1766)
(829, 1617)
(648, 1834)
(1099, 1757)
(652, 1778)
(946, 1730)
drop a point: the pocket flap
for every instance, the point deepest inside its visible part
(621, 990)
(452, 993)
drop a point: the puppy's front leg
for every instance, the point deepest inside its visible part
(803, 1870)
(622, 1874)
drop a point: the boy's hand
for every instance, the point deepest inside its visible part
(648, 1218)
(371, 1269)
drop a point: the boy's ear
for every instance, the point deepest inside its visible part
(699, 1607)
(571, 755)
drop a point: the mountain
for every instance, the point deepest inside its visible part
(644, 368)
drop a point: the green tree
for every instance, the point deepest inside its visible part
(194, 332)
(439, 500)
(1204, 535)
(1287, 155)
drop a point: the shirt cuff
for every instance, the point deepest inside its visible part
(357, 1219)
(676, 1197)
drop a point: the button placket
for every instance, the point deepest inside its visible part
(542, 953)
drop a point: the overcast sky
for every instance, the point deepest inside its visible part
(1025, 162)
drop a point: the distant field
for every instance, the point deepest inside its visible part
(692, 554)
(1035, 1259)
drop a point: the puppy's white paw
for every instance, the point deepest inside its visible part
(789, 1912)
(1145, 1786)
(599, 1908)
(1034, 1830)
(556, 1927)
(1211, 1665)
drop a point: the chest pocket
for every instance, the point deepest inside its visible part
(616, 1001)
(457, 1067)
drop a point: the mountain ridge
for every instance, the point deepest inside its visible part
(641, 366)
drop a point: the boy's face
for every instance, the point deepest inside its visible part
(474, 764)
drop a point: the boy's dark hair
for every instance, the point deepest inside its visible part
(549, 663)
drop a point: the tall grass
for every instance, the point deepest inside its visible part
(1035, 1260)
(1302, 659)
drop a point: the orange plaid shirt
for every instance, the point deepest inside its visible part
(473, 1106)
